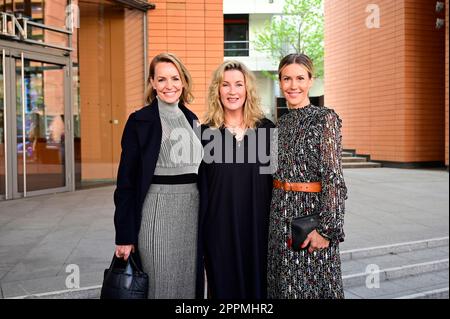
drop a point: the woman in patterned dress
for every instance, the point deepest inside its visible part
(309, 155)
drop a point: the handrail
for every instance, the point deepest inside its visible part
(18, 29)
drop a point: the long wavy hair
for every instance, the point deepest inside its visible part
(252, 107)
(186, 79)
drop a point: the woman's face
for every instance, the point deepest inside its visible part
(295, 84)
(232, 90)
(167, 82)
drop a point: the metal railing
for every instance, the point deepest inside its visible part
(18, 27)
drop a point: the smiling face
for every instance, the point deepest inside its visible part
(295, 83)
(232, 90)
(167, 82)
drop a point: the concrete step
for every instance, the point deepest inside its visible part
(415, 261)
(374, 272)
(92, 292)
(427, 285)
(441, 293)
(361, 165)
(354, 159)
(408, 270)
(347, 154)
(360, 253)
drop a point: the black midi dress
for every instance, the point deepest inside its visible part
(235, 223)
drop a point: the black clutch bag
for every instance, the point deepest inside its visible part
(124, 280)
(300, 228)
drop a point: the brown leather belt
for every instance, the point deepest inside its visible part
(313, 187)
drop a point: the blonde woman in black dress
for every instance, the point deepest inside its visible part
(234, 223)
(309, 161)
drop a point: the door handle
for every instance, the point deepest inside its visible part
(115, 122)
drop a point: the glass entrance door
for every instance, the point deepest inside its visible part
(36, 94)
(41, 160)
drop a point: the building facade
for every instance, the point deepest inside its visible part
(243, 20)
(71, 72)
(386, 74)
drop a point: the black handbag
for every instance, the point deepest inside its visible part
(124, 280)
(300, 228)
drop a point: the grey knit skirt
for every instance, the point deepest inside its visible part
(168, 240)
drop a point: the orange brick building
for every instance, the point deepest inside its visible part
(113, 39)
(389, 83)
(73, 79)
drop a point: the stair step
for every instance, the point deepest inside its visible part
(441, 293)
(425, 285)
(347, 154)
(360, 253)
(387, 274)
(416, 269)
(92, 292)
(361, 165)
(354, 159)
(397, 258)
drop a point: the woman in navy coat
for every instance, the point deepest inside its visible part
(157, 198)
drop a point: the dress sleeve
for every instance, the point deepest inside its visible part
(334, 191)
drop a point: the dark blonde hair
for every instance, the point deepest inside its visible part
(297, 58)
(252, 108)
(186, 79)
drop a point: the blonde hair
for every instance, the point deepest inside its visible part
(186, 79)
(252, 109)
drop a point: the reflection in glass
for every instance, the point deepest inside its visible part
(32, 9)
(44, 146)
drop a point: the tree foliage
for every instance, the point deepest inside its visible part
(298, 29)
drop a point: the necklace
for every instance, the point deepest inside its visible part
(238, 131)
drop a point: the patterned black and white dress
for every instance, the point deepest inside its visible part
(309, 150)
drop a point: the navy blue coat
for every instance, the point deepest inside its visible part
(141, 142)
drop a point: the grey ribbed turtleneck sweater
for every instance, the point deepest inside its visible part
(181, 151)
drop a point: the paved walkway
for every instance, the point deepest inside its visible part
(42, 237)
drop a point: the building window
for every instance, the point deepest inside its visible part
(32, 9)
(236, 35)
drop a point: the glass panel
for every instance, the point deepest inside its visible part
(8, 6)
(44, 126)
(236, 35)
(2, 132)
(38, 10)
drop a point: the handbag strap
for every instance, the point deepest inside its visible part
(130, 261)
(133, 262)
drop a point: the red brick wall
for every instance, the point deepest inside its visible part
(387, 83)
(193, 30)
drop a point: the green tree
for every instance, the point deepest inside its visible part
(298, 29)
